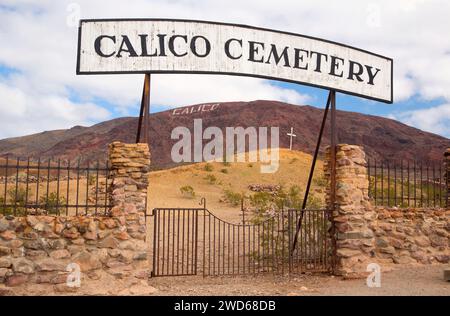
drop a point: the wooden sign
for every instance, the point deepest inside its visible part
(114, 46)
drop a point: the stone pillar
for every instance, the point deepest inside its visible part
(447, 174)
(130, 165)
(355, 242)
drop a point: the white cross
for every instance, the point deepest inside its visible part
(291, 134)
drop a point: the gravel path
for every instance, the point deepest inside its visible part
(405, 280)
(410, 280)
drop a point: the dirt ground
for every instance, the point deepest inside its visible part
(404, 280)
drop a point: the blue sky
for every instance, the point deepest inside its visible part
(39, 89)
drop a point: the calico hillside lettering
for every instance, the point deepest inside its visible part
(252, 51)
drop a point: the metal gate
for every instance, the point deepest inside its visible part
(190, 241)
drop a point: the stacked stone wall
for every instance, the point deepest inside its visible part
(44, 249)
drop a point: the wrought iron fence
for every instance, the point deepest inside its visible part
(53, 187)
(407, 184)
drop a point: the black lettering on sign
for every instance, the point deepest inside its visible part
(182, 45)
(253, 50)
(172, 45)
(277, 57)
(128, 47)
(227, 48)
(98, 45)
(194, 46)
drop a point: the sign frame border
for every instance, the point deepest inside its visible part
(78, 72)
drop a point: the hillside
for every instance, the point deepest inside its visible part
(211, 179)
(381, 137)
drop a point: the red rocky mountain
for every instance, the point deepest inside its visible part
(382, 138)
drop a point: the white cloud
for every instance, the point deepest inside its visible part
(42, 47)
(435, 119)
(26, 113)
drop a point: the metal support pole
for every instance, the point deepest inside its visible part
(332, 206)
(144, 112)
(311, 172)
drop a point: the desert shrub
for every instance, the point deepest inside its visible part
(267, 208)
(18, 199)
(250, 165)
(320, 181)
(52, 204)
(187, 191)
(234, 198)
(210, 178)
(208, 167)
(224, 170)
(293, 160)
(92, 180)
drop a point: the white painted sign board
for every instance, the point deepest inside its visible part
(113, 46)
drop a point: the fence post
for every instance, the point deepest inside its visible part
(353, 212)
(447, 176)
(130, 165)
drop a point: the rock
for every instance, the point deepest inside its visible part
(40, 227)
(60, 254)
(396, 243)
(16, 279)
(33, 244)
(142, 274)
(53, 278)
(110, 223)
(303, 288)
(123, 235)
(422, 241)
(128, 245)
(403, 260)
(71, 233)
(73, 249)
(87, 261)
(437, 241)
(5, 263)
(22, 265)
(4, 272)
(108, 242)
(32, 220)
(115, 264)
(4, 225)
(120, 272)
(140, 255)
(388, 250)
(101, 254)
(441, 232)
(63, 288)
(420, 256)
(16, 243)
(343, 252)
(50, 265)
(4, 251)
(442, 258)
(8, 235)
(94, 275)
(35, 254)
(381, 242)
(78, 241)
(90, 235)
